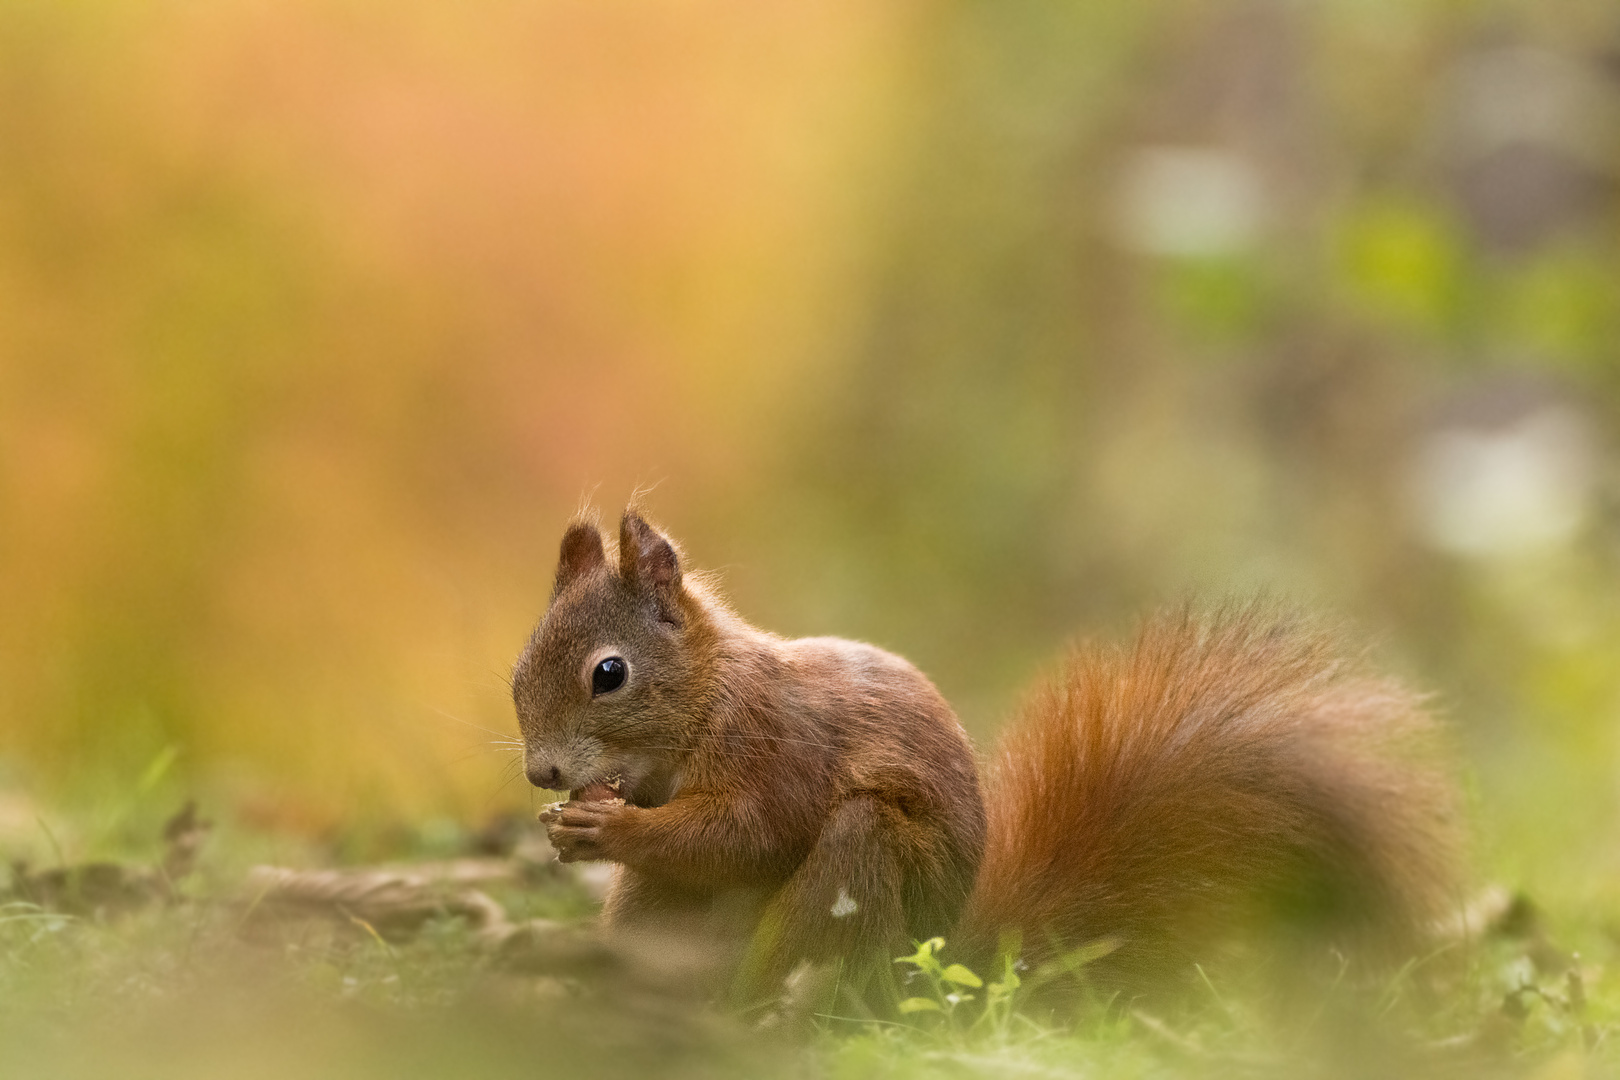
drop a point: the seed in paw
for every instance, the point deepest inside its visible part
(600, 791)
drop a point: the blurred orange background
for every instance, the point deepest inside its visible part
(961, 329)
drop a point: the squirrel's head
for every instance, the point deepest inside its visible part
(607, 685)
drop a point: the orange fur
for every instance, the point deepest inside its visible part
(788, 801)
(1222, 777)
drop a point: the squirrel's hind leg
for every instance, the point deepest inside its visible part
(841, 912)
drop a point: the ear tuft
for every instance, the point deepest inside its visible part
(581, 553)
(648, 560)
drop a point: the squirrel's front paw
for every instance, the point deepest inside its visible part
(576, 828)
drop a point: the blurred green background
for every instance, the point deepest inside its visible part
(964, 328)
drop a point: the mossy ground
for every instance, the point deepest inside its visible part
(193, 985)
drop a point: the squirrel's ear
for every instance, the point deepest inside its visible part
(647, 559)
(581, 552)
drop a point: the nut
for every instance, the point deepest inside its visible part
(599, 791)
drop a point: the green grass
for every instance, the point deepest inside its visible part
(198, 983)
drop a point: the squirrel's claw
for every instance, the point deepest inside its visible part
(575, 828)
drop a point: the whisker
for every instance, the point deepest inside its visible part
(512, 770)
(506, 735)
(476, 751)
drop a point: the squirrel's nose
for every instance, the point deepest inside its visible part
(544, 775)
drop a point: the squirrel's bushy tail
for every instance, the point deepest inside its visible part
(1225, 778)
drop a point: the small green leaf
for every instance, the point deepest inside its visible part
(923, 958)
(1009, 978)
(961, 976)
(911, 1005)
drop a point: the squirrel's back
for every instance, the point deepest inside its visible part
(1223, 778)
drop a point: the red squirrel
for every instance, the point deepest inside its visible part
(817, 801)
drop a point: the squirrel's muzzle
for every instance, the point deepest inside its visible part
(543, 774)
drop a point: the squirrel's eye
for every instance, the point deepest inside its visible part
(608, 676)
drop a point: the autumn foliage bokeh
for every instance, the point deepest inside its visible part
(963, 329)
(322, 317)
